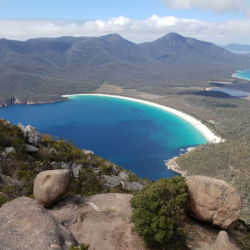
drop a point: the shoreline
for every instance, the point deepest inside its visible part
(207, 133)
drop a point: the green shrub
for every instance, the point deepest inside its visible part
(3, 199)
(244, 241)
(81, 247)
(159, 212)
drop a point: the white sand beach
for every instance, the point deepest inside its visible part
(211, 137)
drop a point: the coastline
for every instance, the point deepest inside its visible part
(207, 133)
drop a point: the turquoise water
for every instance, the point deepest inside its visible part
(136, 136)
(243, 74)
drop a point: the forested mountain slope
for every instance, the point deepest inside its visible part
(41, 70)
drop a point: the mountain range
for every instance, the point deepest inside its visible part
(42, 69)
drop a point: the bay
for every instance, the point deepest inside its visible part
(137, 136)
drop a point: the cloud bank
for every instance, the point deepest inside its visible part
(138, 31)
(217, 6)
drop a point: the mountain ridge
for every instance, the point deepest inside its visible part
(43, 69)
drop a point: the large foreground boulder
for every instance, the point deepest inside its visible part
(24, 224)
(102, 221)
(50, 186)
(213, 201)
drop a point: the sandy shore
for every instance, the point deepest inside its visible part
(212, 138)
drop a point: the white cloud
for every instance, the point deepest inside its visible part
(135, 30)
(218, 6)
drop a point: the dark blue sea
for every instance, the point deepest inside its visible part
(136, 136)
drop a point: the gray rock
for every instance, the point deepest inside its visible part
(222, 242)
(4, 155)
(66, 165)
(213, 201)
(9, 150)
(90, 166)
(31, 149)
(56, 165)
(88, 152)
(24, 224)
(97, 171)
(50, 186)
(111, 181)
(131, 186)
(33, 136)
(8, 181)
(73, 166)
(123, 176)
(76, 171)
(114, 169)
(23, 129)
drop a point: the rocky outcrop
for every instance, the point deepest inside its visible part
(9, 150)
(32, 136)
(222, 242)
(102, 221)
(131, 186)
(31, 149)
(123, 176)
(50, 186)
(213, 201)
(111, 181)
(24, 224)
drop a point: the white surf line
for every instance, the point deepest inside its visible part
(207, 133)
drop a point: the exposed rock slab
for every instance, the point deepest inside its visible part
(102, 221)
(213, 201)
(24, 224)
(50, 186)
(223, 243)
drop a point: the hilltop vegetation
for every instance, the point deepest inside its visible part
(18, 168)
(43, 69)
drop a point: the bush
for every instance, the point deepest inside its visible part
(3, 199)
(159, 212)
(243, 241)
(81, 247)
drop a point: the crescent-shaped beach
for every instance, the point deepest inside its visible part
(207, 133)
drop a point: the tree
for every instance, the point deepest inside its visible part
(159, 212)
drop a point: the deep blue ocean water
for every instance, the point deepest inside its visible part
(136, 136)
(243, 74)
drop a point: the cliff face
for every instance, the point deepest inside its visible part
(14, 100)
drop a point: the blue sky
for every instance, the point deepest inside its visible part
(103, 9)
(219, 21)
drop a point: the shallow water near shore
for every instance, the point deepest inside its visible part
(243, 74)
(136, 136)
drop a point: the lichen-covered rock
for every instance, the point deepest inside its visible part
(52, 185)
(222, 242)
(213, 201)
(24, 224)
